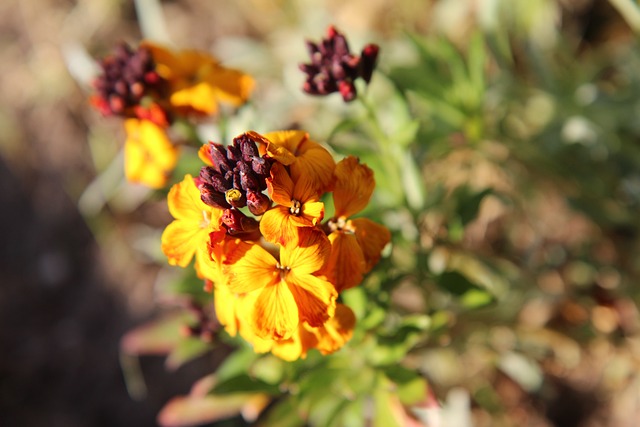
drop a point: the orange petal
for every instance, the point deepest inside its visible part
(204, 153)
(180, 241)
(277, 226)
(315, 162)
(346, 264)
(353, 187)
(336, 331)
(289, 140)
(373, 237)
(230, 86)
(309, 254)
(254, 269)
(276, 312)
(315, 297)
(280, 186)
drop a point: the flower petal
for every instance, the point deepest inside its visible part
(149, 155)
(373, 237)
(346, 264)
(280, 186)
(353, 187)
(315, 297)
(184, 201)
(277, 226)
(276, 312)
(180, 241)
(336, 331)
(250, 267)
(309, 254)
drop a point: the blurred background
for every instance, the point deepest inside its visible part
(80, 261)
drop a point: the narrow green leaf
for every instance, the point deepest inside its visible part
(245, 384)
(187, 350)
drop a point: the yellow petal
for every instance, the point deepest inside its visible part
(372, 237)
(180, 241)
(309, 254)
(295, 347)
(313, 212)
(230, 86)
(185, 203)
(250, 269)
(354, 185)
(276, 312)
(149, 155)
(346, 264)
(200, 97)
(225, 307)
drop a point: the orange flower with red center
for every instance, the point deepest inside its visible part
(291, 292)
(297, 206)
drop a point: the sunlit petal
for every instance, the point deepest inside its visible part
(276, 312)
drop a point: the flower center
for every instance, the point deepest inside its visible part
(283, 269)
(337, 224)
(295, 208)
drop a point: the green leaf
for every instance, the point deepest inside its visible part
(237, 363)
(186, 350)
(245, 384)
(471, 295)
(411, 386)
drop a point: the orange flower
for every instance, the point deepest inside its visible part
(304, 157)
(198, 81)
(355, 244)
(189, 234)
(297, 206)
(290, 290)
(149, 156)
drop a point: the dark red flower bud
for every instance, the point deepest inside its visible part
(258, 203)
(213, 198)
(237, 222)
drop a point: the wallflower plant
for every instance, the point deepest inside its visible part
(273, 226)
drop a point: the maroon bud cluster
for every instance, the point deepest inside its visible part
(334, 68)
(236, 179)
(127, 76)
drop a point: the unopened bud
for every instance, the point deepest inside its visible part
(258, 203)
(213, 198)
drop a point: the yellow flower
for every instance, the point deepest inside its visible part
(297, 206)
(194, 226)
(149, 155)
(355, 244)
(290, 292)
(198, 81)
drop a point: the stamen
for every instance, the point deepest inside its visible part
(283, 270)
(295, 208)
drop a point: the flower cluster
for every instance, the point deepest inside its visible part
(255, 223)
(333, 68)
(152, 87)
